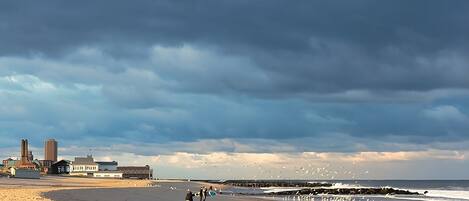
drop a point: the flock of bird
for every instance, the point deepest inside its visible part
(323, 198)
(309, 172)
(258, 171)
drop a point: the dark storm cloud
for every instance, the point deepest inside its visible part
(272, 25)
(302, 47)
(159, 71)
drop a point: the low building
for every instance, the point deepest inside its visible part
(60, 167)
(46, 165)
(107, 165)
(83, 166)
(108, 174)
(25, 173)
(136, 172)
(9, 163)
(37, 164)
(6, 161)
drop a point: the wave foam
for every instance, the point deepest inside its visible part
(448, 194)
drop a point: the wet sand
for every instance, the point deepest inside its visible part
(163, 191)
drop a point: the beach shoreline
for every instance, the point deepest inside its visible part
(161, 190)
(35, 189)
(57, 188)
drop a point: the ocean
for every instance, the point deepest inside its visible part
(437, 190)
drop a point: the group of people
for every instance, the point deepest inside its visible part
(203, 193)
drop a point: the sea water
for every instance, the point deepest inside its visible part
(437, 190)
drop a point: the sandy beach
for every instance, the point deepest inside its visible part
(33, 189)
(53, 188)
(163, 191)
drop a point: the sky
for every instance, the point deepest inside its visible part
(242, 89)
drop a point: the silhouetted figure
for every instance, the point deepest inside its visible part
(205, 193)
(189, 195)
(201, 193)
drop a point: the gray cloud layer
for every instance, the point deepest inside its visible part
(159, 71)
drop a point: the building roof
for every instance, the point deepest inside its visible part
(106, 162)
(134, 167)
(62, 161)
(88, 160)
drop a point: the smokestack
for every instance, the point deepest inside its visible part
(24, 151)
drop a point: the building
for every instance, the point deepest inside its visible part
(24, 173)
(5, 161)
(30, 156)
(136, 172)
(50, 150)
(37, 164)
(24, 160)
(46, 165)
(83, 166)
(60, 167)
(107, 165)
(108, 174)
(9, 162)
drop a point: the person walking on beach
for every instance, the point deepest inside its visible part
(189, 195)
(211, 192)
(201, 193)
(205, 193)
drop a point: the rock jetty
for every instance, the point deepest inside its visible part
(346, 191)
(312, 188)
(265, 184)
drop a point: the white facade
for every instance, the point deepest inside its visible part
(84, 168)
(81, 174)
(108, 174)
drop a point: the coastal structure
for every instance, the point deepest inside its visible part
(83, 166)
(9, 162)
(107, 165)
(136, 172)
(50, 150)
(46, 165)
(24, 160)
(24, 173)
(25, 167)
(108, 174)
(28, 167)
(87, 167)
(60, 167)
